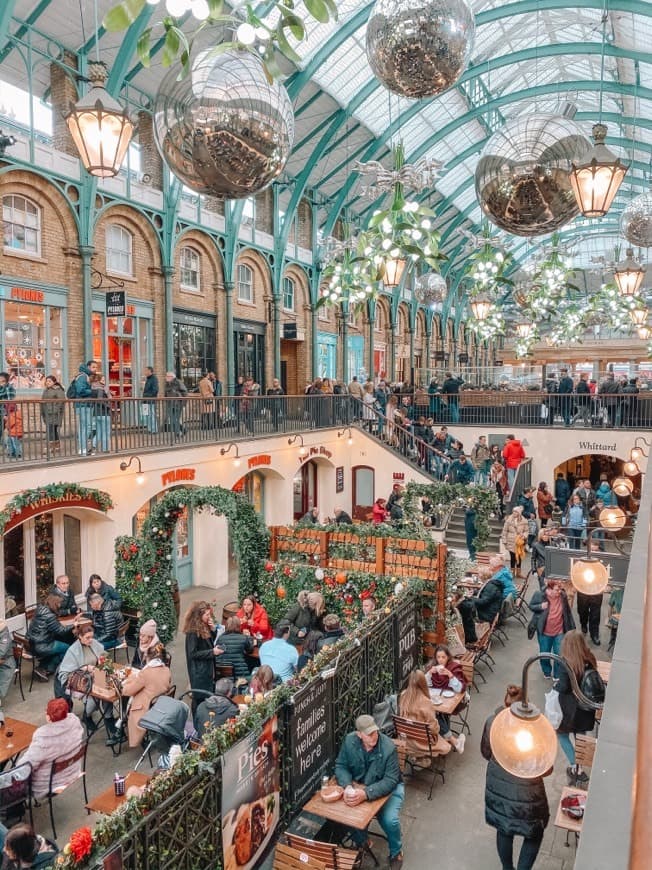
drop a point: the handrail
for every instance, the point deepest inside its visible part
(641, 831)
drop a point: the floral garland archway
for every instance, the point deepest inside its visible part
(143, 564)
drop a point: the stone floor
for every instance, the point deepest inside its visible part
(447, 832)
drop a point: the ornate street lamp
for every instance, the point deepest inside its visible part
(394, 271)
(100, 127)
(596, 180)
(629, 275)
(481, 306)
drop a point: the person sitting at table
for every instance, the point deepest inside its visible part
(61, 736)
(333, 631)
(443, 673)
(254, 619)
(342, 518)
(147, 637)
(84, 654)
(236, 646)
(485, 607)
(367, 768)
(62, 589)
(304, 616)
(279, 654)
(216, 709)
(49, 639)
(7, 663)
(108, 593)
(262, 681)
(201, 648)
(106, 619)
(309, 649)
(27, 850)
(142, 687)
(415, 703)
(501, 573)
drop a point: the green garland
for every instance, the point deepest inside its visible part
(56, 491)
(143, 565)
(483, 499)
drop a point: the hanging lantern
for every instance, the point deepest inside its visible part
(523, 741)
(638, 316)
(623, 486)
(100, 127)
(394, 271)
(644, 333)
(613, 518)
(481, 307)
(629, 275)
(524, 329)
(596, 178)
(589, 576)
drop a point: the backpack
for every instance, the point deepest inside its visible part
(592, 685)
(383, 712)
(71, 392)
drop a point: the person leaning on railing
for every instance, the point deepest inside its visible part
(52, 409)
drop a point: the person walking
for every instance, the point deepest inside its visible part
(526, 501)
(148, 409)
(562, 491)
(564, 391)
(101, 441)
(583, 400)
(514, 806)
(574, 520)
(175, 392)
(481, 459)
(205, 387)
(81, 388)
(513, 455)
(544, 503)
(609, 391)
(554, 619)
(513, 538)
(52, 408)
(276, 402)
(201, 649)
(451, 389)
(498, 478)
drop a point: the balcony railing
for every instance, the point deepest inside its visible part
(36, 431)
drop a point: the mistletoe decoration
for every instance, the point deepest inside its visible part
(265, 30)
(491, 327)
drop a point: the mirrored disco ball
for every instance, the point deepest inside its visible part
(521, 179)
(419, 48)
(636, 221)
(224, 130)
(430, 289)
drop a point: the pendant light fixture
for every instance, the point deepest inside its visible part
(101, 129)
(629, 275)
(481, 306)
(595, 181)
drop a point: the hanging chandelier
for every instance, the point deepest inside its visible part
(629, 275)
(481, 306)
(101, 129)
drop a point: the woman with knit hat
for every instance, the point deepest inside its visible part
(147, 638)
(60, 737)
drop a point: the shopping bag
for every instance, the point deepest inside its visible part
(552, 710)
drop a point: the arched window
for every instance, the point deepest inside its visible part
(22, 224)
(245, 283)
(189, 265)
(119, 250)
(288, 294)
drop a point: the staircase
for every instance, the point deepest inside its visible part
(455, 538)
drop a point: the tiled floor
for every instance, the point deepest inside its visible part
(448, 832)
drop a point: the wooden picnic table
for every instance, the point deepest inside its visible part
(11, 747)
(604, 669)
(564, 821)
(448, 705)
(108, 801)
(358, 817)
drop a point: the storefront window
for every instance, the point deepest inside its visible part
(250, 356)
(194, 352)
(33, 344)
(125, 338)
(14, 572)
(252, 487)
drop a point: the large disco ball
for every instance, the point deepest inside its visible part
(636, 221)
(430, 289)
(224, 130)
(521, 179)
(419, 48)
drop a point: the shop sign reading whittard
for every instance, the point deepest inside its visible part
(311, 738)
(250, 797)
(405, 638)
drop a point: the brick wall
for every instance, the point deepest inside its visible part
(62, 93)
(151, 162)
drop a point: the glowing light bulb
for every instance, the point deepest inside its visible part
(523, 740)
(200, 9)
(302, 451)
(177, 8)
(236, 463)
(140, 478)
(246, 34)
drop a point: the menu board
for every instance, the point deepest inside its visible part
(311, 738)
(407, 647)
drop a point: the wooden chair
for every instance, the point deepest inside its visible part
(401, 751)
(30, 610)
(333, 857)
(18, 659)
(287, 858)
(421, 734)
(16, 790)
(23, 653)
(121, 642)
(224, 671)
(585, 747)
(461, 712)
(61, 764)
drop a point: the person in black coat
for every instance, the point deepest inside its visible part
(216, 709)
(61, 588)
(108, 593)
(514, 806)
(201, 649)
(236, 646)
(49, 639)
(106, 618)
(342, 518)
(485, 607)
(526, 501)
(575, 718)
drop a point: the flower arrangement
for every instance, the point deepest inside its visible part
(78, 847)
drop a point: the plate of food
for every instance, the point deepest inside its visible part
(448, 693)
(247, 830)
(331, 794)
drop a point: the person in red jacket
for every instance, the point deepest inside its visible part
(379, 512)
(513, 454)
(254, 619)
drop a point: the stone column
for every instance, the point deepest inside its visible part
(151, 161)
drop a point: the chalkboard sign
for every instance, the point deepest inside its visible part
(339, 478)
(406, 656)
(116, 301)
(311, 739)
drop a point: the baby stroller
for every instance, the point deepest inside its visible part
(167, 724)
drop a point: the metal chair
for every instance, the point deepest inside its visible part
(58, 766)
(16, 789)
(23, 652)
